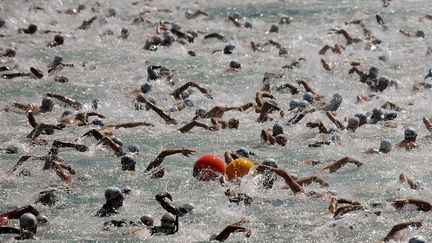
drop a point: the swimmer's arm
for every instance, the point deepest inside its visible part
(162, 155)
(307, 87)
(222, 236)
(318, 123)
(91, 113)
(23, 159)
(31, 119)
(339, 163)
(404, 178)
(9, 230)
(266, 109)
(333, 205)
(192, 124)
(333, 119)
(293, 185)
(392, 106)
(405, 33)
(168, 119)
(427, 123)
(362, 75)
(291, 87)
(346, 209)
(228, 157)
(118, 150)
(132, 124)
(259, 98)
(177, 92)
(75, 104)
(61, 173)
(268, 139)
(25, 107)
(308, 180)
(79, 147)
(16, 214)
(95, 133)
(324, 49)
(422, 205)
(218, 121)
(402, 226)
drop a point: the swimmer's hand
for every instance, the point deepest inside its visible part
(187, 152)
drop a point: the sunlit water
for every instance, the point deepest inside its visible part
(275, 215)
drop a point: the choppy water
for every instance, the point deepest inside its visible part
(275, 215)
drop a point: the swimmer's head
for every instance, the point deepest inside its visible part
(133, 148)
(248, 25)
(377, 112)
(98, 122)
(58, 39)
(28, 222)
(410, 134)
(385, 145)
(147, 220)
(191, 36)
(127, 190)
(188, 102)
(11, 149)
(362, 118)
(186, 208)
(294, 103)
(167, 221)
(49, 131)
(228, 49)
(128, 163)
(168, 38)
(283, 51)
(274, 29)
(281, 139)
(200, 111)
(164, 71)
(145, 88)
(113, 193)
(308, 96)
(353, 123)
(373, 72)
(277, 129)
(233, 123)
(420, 33)
(95, 103)
(242, 153)
(235, 64)
(47, 104)
(270, 162)
(81, 7)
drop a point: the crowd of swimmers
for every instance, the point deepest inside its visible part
(236, 164)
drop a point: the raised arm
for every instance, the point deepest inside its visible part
(308, 87)
(32, 119)
(333, 119)
(293, 185)
(75, 104)
(162, 155)
(23, 159)
(192, 124)
(308, 180)
(339, 163)
(118, 150)
(132, 124)
(235, 227)
(402, 226)
(267, 137)
(422, 205)
(95, 133)
(427, 123)
(405, 179)
(79, 147)
(168, 119)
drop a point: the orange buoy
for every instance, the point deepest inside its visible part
(238, 168)
(208, 166)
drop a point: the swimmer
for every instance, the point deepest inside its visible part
(402, 226)
(218, 111)
(418, 33)
(422, 205)
(34, 73)
(267, 108)
(409, 141)
(17, 213)
(327, 66)
(334, 202)
(80, 119)
(322, 129)
(46, 106)
(168, 119)
(348, 38)
(179, 93)
(372, 75)
(57, 65)
(275, 138)
(73, 103)
(295, 63)
(237, 198)
(40, 128)
(385, 147)
(232, 228)
(217, 124)
(31, 29)
(339, 163)
(114, 201)
(216, 36)
(268, 77)
(353, 122)
(156, 163)
(405, 179)
(196, 14)
(27, 230)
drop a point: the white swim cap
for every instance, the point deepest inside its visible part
(27, 221)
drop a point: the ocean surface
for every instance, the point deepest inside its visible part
(115, 67)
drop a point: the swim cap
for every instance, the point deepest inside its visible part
(208, 165)
(147, 220)
(167, 221)
(373, 72)
(58, 59)
(66, 113)
(98, 122)
(188, 102)
(248, 25)
(95, 103)
(128, 163)
(274, 28)
(81, 7)
(11, 149)
(236, 15)
(191, 36)
(47, 104)
(420, 33)
(242, 153)
(186, 208)
(416, 239)
(164, 70)
(353, 123)
(270, 162)
(49, 131)
(386, 145)
(238, 168)
(234, 64)
(133, 148)
(294, 103)
(27, 221)
(42, 219)
(168, 38)
(59, 39)
(111, 12)
(334, 103)
(410, 133)
(277, 129)
(228, 49)
(33, 28)
(200, 111)
(112, 193)
(283, 51)
(308, 96)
